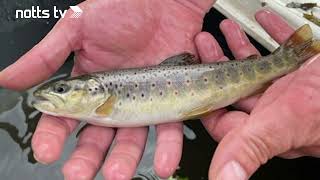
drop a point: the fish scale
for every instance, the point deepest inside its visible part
(176, 90)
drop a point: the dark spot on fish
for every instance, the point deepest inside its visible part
(153, 85)
(119, 92)
(135, 73)
(128, 95)
(96, 89)
(120, 85)
(210, 67)
(90, 89)
(169, 83)
(110, 83)
(134, 97)
(248, 71)
(77, 88)
(142, 95)
(120, 103)
(161, 93)
(263, 66)
(277, 61)
(205, 79)
(188, 81)
(192, 94)
(219, 77)
(116, 86)
(185, 68)
(232, 74)
(176, 93)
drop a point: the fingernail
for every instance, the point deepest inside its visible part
(237, 33)
(38, 160)
(232, 171)
(263, 16)
(78, 169)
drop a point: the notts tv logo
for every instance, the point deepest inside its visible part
(37, 13)
(76, 11)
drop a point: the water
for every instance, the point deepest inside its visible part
(18, 119)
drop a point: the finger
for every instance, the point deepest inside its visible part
(293, 154)
(50, 136)
(245, 148)
(279, 30)
(126, 154)
(241, 48)
(275, 91)
(313, 151)
(87, 157)
(208, 48)
(247, 104)
(42, 60)
(220, 122)
(237, 40)
(166, 160)
(275, 25)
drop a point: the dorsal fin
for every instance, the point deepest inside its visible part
(180, 60)
(252, 57)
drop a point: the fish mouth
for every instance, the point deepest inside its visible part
(40, 102)
(40, 98)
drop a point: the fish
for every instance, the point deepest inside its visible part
(176, 90)
(303, 6)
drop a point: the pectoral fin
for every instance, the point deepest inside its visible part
(106, 108)
(180, 60)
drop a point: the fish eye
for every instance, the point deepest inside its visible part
(61, 88)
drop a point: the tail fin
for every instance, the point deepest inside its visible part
(302, 44)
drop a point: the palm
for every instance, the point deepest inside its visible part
(110, 34)
(131, 34)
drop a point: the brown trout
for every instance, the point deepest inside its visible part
(176, 90)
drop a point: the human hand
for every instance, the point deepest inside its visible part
(123, 34)
(284, 122)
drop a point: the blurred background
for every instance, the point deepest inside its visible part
(18, 119)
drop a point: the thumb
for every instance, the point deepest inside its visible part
(244, 149)
(44, 59)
